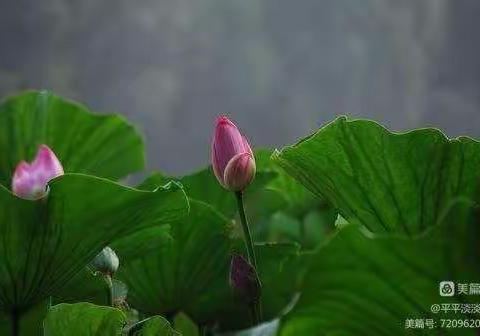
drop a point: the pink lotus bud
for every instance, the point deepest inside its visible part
(30, 180)
(244, 279)
(232, 158)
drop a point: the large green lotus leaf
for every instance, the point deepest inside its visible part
(85, 286)
(364, 284)
(101, 145)
(153, 326)
(185, 274)
(191, 274)
(185, 326)
(388, 182)
(45, 243)
(84, 319)
(142, 242)
(28, 323)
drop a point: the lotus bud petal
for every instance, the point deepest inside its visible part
(230, 149)
(30, 179)
(106, 262)
(239, 172)
(244, 280)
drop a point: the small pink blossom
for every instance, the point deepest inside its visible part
(30, 180)
(232, 158)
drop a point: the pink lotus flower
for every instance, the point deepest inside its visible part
(30, 180)
(232, 158)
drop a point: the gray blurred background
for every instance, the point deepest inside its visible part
(280, 69)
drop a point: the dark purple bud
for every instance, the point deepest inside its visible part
(244, 279)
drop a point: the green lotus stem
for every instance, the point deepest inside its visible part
(246, 231)
(256, 307)
(108, 279)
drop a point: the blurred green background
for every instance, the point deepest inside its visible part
(279, 68)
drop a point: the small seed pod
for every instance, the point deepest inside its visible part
(244, 280)
(106, 262)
